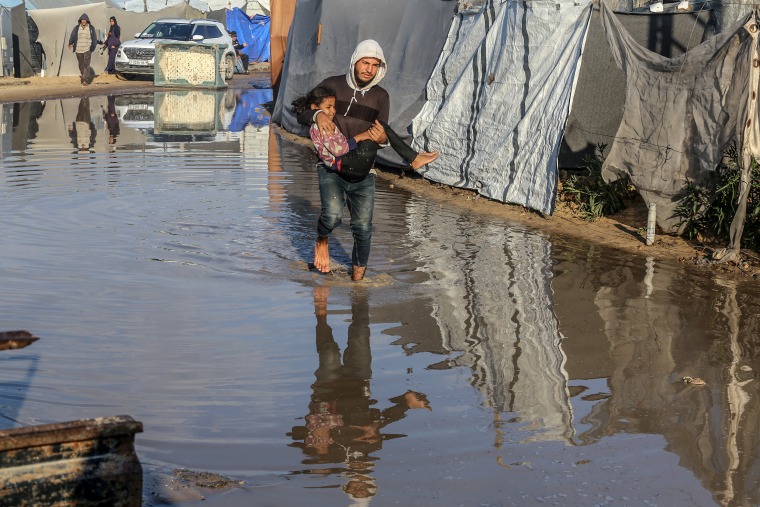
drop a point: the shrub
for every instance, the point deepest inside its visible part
(590, 195)
(709, 209)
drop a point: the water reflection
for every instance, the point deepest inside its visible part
(650, 341)
(111, 119)
(82, 130)
(344, 427)
(495, 314)
(220, 119)
(19, 371)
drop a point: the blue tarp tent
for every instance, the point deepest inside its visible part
(252, 31)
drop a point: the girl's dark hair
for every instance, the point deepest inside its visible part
(315, 96)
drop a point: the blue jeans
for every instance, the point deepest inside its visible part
(335, 193)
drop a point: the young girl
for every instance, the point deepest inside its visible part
(353, 158)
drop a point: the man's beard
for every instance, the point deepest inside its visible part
(360, 81)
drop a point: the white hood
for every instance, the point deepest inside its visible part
(366, 49)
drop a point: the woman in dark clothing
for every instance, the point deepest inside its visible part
(112, 43)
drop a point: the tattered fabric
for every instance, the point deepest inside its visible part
(680, 113)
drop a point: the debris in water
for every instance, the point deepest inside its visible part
(695, 381)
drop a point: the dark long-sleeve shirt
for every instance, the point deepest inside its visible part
(363, 109)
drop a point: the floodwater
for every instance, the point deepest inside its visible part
(159, 252)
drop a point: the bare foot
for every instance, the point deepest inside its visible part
(320, 300)
(358, 273)
(322, 255)
(424, 158)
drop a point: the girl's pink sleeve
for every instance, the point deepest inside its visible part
(336, 143)
(322, 152)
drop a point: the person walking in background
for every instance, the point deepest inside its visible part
(112, 43)
(239, 51)
(83, 42)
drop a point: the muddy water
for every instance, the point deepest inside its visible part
(160, 253)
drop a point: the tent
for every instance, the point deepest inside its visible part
(499, 97)
(253, 31)
(681, 113)
(323, 35)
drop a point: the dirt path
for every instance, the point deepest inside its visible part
(623, 231)
(44, 88)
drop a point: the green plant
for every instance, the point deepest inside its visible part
(709, 209)
(593, 197)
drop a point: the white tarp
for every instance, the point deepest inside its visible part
(499, 97)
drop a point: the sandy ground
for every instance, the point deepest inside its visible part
(43, 88)
(623, 231)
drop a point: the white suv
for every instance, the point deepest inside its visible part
(135, 57)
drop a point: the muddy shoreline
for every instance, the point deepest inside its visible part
(622, 231)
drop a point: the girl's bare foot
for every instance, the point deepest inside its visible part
(424, 158)
(322, 255)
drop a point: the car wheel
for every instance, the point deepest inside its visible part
(229, 67)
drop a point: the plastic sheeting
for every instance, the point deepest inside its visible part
(252, 31)
(680, 113)
(410, 33)
(499, 99)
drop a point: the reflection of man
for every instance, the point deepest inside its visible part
(112, 120)
(82, 131)
(343, 425)
(239, 51)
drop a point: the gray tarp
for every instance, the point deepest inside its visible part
(22, 57)
(598, 103)
(55, 27)
(499, 99)
(411, 34)
(681, 112)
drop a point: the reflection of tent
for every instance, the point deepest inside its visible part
(250, 111)
(252, 31)
(494, 307)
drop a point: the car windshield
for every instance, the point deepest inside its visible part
(172, 31)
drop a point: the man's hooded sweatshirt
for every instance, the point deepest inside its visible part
(357, 107)
(75, 32)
